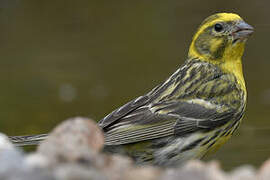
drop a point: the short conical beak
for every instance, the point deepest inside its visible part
(242, 30)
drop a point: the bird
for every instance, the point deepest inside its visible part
(193, 112)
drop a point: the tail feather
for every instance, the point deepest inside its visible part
(27, 140)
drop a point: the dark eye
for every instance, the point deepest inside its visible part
(218, 27)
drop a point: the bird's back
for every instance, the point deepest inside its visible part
(160, 126)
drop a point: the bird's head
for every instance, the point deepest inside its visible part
(221, 37)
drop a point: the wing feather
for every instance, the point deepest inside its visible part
(156, 115)
(148, 125)
(130, 132)
(123, 110)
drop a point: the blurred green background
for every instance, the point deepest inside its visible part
(65, 58)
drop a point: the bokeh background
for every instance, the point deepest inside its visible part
(63, 58)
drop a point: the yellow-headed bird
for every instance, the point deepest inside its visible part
(196, 109)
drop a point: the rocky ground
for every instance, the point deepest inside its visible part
(73, 152)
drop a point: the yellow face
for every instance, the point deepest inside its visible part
(220, 37)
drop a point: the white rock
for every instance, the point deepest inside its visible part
(5, 144)
(36, 160)
(243, 172)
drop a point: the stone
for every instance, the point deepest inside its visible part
(142, 173)
(14, 167)
(114, 166)
(76, 139)
(5, 144)
(195, 170)
(36, 160)
(243, 172)
(71, 171)
(264, 171)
